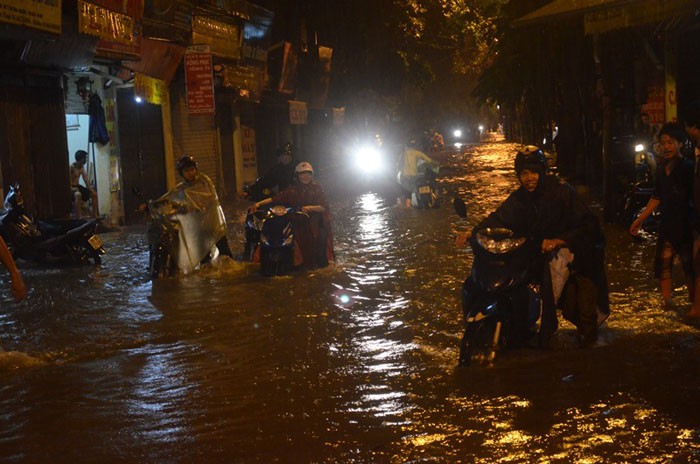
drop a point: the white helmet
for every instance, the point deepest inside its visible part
(304, 167)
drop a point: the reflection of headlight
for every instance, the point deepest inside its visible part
(368, 159)
(639, 148)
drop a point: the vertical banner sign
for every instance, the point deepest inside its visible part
(298, 113)
(338, 116)
(654, 105)
(250, 159)
(36, 14)
(671, 103)
(199, 79)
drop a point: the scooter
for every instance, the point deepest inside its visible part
(424, 194)
(51, 242)
(635, 200)
(271, 231)
(501, 304)
(163, 239)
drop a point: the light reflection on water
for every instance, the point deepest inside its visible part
(349, 364)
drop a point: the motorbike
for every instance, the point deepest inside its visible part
(424, 193)
(501, 304)
(271, 231)
(635, 200)
(50, 242)
(163, 239)
(255, 192)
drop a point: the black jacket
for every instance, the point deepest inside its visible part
(555, 210)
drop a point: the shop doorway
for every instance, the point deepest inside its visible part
(141, 152)
(77, 135)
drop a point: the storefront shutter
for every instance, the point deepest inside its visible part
(196, 135)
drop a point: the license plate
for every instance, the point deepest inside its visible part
(95, 242)
(424, 189)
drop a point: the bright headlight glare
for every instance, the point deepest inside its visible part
(639, 147)
(368, 159)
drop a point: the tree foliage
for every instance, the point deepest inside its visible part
(417, 58)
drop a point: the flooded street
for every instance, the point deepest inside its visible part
(354, 363)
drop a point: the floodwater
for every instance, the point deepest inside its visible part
(351, 364)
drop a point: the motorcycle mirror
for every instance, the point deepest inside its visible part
(460, 207)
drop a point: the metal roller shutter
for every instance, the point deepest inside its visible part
(196, 135)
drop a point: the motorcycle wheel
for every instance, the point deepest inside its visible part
(82, 254)
(275, 262)
(477, 343)
(160, 264)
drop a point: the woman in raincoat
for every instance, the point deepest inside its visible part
(313, 237)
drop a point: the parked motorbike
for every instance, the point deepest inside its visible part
(424, 194)
(50, 242)
(271, 231)
(501, 305)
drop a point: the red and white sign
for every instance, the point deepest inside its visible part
(654, 105)
(199, 80)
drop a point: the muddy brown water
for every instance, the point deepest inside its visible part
(354, 363)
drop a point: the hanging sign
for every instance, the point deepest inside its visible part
(250, 159)
(199, 80)
(36, 14)
(223, 37)
(338, 116)
(654, 105)
(298, 113)
(117, 24)
(149, 88)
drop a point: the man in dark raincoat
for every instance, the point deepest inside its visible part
(548, 211)
(313, 237)
(278, 178)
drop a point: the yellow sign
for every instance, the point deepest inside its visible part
(105, 24)
(224, 38)
(44, 15)
(149, 88)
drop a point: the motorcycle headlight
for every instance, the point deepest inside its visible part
(368, 159)
(279, 210)
(498, 240)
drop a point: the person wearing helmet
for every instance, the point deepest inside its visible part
(313, 237)
(202, 222)
(548, 211)
(81, 193)
(277, 178)
(408, 169)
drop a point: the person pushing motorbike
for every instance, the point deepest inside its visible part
(548, 211)
(202, 223)
(408, 169)
(312, 235)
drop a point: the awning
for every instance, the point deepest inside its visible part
(602, 16)
(559, 9)
(159, 59)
